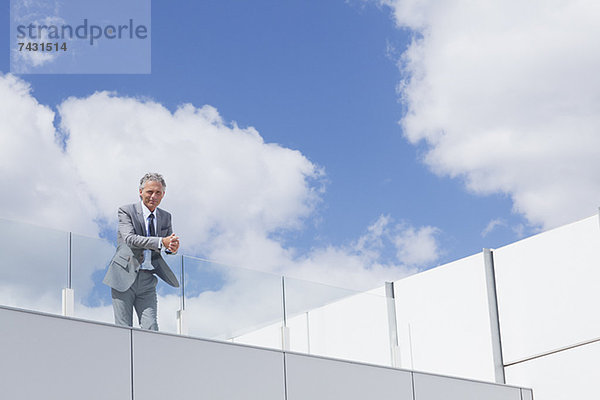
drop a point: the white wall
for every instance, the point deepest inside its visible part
(268, 337)
(51, 357)
(548, 297)
(443, 320)
(312, 377)
(353, 328)
(45, 357)
(567, 375)
(170, 367)
(549, 289)
(432, 387)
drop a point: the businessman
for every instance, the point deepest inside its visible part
(144, 232)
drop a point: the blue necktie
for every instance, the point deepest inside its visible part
(151, 230)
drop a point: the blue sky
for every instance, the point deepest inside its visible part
(322, 78)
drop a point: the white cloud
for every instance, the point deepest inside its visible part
(493, 224)
(505, 94)
(221, 179)
(417, 246)
(363, 264)
(41, 185)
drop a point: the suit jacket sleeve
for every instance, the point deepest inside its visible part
(129, 235)
(165, 221)
(169, 232)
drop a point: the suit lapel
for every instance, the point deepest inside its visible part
(141, 226)
(160, 214)
(157, 216)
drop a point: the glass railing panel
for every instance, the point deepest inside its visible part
(33, 266)
(221, 302)
(169, 297)
(230, 303)
(335, 322)
(89, 260)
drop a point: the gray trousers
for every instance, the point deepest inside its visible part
(141, 296)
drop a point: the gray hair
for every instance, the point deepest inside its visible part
(154, 177)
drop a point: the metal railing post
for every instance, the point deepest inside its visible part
(285, 331)
(68, 295)
(392, 324)
(182, 327)
(490, 278)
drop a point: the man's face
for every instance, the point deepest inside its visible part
(152, 194)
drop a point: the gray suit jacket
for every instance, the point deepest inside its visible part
(131, 243)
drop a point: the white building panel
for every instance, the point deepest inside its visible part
(172, 367)
(299, 336)
(351, 325)
(549, 289)
(51, 357)
(320, 379)
(432, 387)
(566, 375)
(355, 328)
(443, 320)
(268, 337)
(46, 357)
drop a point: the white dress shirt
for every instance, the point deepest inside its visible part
(147, 264)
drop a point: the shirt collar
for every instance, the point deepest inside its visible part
(146, 212)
